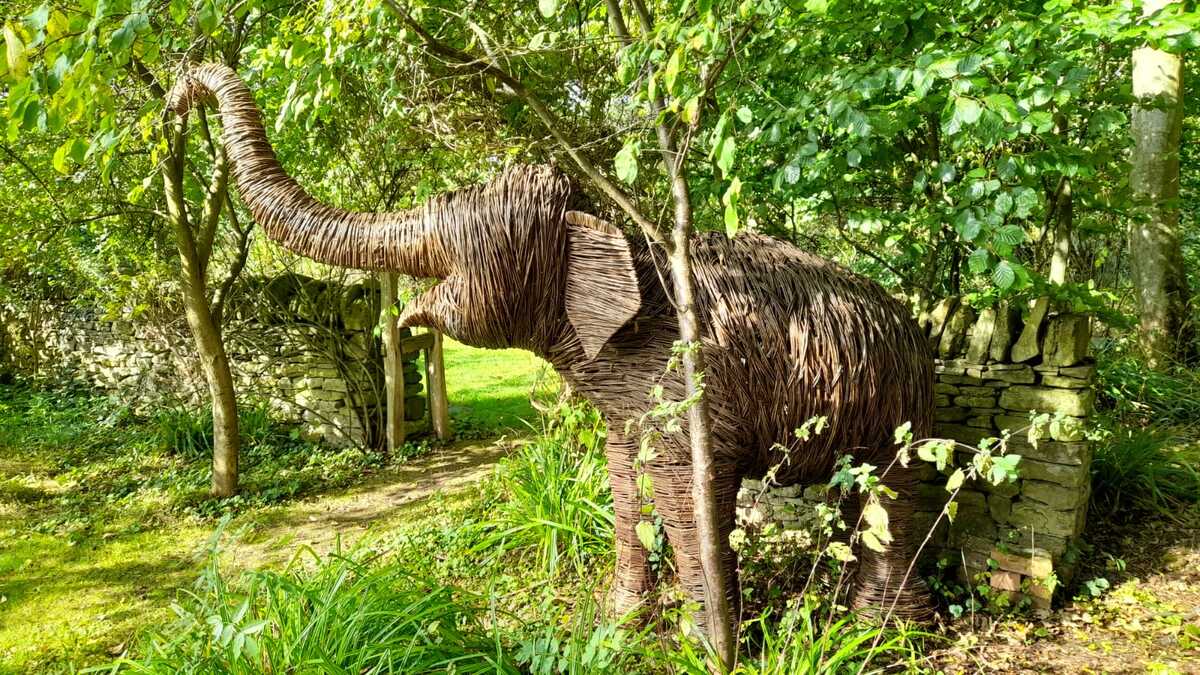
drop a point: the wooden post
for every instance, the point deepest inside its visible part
(435, 378)
(393, 364)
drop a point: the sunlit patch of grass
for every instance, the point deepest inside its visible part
(79, 603)
(489, 389)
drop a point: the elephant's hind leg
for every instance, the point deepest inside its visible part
(881, 586)
(633, 575)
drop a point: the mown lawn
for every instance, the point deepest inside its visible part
(489, 389)
(101, 523)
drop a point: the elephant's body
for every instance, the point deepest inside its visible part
(789, 336)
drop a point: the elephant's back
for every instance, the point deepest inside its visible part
(793, 336)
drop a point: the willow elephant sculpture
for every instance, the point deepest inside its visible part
(521, 264)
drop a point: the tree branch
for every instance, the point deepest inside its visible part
(465, 61)
(214, 198)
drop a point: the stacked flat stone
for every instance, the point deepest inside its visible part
(327, 392)
(993, 370)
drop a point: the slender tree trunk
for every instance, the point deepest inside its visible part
(207, 334)
(717, 605)
(1154, 242)
(1064, 223)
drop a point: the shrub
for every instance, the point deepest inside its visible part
(346, 614)
(559, 506)
(1144, 470)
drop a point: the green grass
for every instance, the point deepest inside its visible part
(102, 514)
(344, 614)
(1140, 470)
(558, 506)
(490, 389)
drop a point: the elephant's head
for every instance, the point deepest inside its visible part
(516, 267)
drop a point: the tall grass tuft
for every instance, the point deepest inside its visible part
(559, 506)
(1135, 392)
(807, 638)
(188, 432)
(1144, 470)
(347, 614)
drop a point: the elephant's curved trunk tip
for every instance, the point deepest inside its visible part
(186, 92)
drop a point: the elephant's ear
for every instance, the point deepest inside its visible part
(602, 285)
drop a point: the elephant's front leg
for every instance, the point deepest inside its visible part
(673, 501)
(634, 578)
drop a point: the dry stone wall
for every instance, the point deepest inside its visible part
(325, 377)
(994, 374)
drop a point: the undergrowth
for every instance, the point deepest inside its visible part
(558, 505)
(1140, 470)
(108, 467)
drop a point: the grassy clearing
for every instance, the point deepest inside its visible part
(491, 583)
(103, 515)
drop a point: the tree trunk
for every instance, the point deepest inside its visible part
(215, 365)
(1154, 243)
(205, 331)
(1064, 222)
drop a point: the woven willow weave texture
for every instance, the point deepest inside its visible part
(789, 335)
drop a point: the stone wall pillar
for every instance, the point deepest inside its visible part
(998, 375)
(1023, 536)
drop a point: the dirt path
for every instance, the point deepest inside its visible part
(320, 522)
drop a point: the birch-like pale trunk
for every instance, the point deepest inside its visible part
(1156, 257)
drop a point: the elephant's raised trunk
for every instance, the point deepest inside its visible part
(406, 241)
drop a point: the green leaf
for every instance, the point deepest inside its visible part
(1004, 203)
(124, 36)
(1003, 105)
(671, 73)
(14, 50)
(179, 11)
(626, 161)
(725, 153)
(59, 161)
(875, 515)
(547, 7)
(645, 534)
(966, 110)
(207, 17)
(745, 115)
(969, 64)
(38, 18)
(978, 261)
(1027, 200)
(691, 110)
(854, 157)
(816, 6)
(1003, 276)
(1009, 235)
(732, 195)
(955, 481)
(871, 541)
